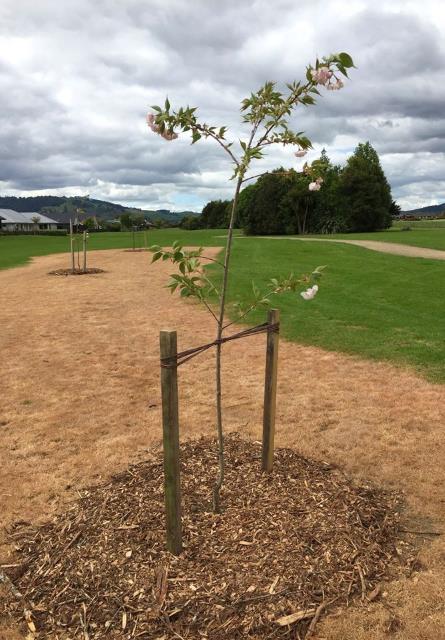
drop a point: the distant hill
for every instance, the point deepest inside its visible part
(63, 209)
(433, 210)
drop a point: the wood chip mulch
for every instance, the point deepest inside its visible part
(76, 272)
(287, 546)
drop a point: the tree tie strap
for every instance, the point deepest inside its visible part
(184, 356)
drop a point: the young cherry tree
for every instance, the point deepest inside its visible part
(266, 116)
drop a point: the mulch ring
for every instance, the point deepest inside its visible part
(76, 272)
(287, 547)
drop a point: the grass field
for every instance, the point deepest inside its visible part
(419, 224)
(374, 305)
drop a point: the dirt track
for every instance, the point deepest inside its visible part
(80, 399)
(395, 249)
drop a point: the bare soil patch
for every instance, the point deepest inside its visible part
(80, 400)
(286, 546)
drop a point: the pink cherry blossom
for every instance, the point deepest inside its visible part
(300, 154)
(151, 122)
(310, 293)
(314, 186)
(335, 86)
(321, 75)
(167, 135)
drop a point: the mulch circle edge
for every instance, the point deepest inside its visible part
(271, 610)
(76, 272)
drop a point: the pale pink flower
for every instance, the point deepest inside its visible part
(300, 154)
(335, 86)
(151, 122)
(319, 181)
(167, 135)
(309, 293)
(314, 186)
(321, 75)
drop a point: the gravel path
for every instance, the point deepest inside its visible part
(383, 247)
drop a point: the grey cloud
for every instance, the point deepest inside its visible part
(76, 79)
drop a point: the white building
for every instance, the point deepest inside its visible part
(20, 221)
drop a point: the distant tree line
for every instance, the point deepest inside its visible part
(353, 198)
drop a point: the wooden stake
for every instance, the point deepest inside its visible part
(270, 392)
(73, 266)
(170, 424)
(84, 251)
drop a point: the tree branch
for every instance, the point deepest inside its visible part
(289, 103)
(208, 307)
(210, 134)
(212, 260)
(251, 308)
(265, 173)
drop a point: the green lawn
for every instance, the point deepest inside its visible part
(375, 305)
(371, 304)
(419, 224)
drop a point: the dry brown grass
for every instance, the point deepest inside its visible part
(80, 399)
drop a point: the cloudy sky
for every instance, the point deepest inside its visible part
(77, 78)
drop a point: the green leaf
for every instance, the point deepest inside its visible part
(345, 59)
(317, 273)
(182, 268)
(156, 256)
(342, 69)
(167, 104)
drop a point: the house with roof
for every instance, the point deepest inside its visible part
(16, 221)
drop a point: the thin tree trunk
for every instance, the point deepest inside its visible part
(219, 424)
(298, 221)
(305, 216)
